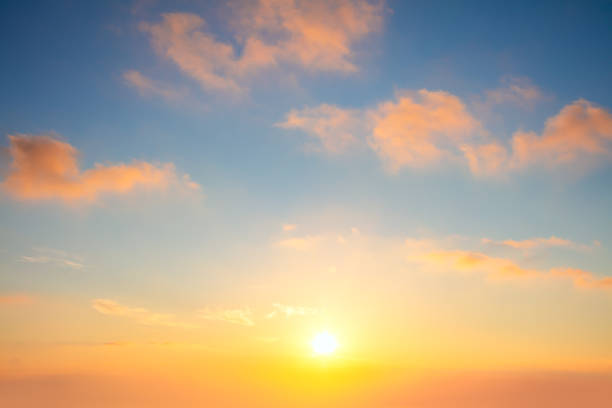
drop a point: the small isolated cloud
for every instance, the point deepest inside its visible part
(147, 86)
(334, 128)
(516, 91)
(287, 311)
(435, 256)
(313, 35)
(235, 316)
(45, 168)
(300, 243)
(16, 299)
(289, 227)
(138, 314)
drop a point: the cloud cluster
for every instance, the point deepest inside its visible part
(44, 167)
(55, 257)
(314, 35)
(422, 128)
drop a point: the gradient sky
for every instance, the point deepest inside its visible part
(190, 191)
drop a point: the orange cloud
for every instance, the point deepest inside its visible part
(420, 128)
(44, 167)
(433, 256)
(333, 127)
(16, 299)
(316, 35)
(417, 130)
(532, 243)
(578, 137)
(581, 278)
(579, 133)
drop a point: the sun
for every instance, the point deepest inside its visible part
(324, 344)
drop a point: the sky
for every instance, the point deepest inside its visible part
(192, 191)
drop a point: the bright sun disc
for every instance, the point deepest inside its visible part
(324, 344)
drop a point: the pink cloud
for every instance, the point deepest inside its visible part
(420, 128)
(45, 167)
(315, 35)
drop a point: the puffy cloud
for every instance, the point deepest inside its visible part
(290, 311)
(234, 316)
(139, 314)
(578, 137)
(579, 133)
(45, 167)
(316, 35)
(420, 128)
(334, 128)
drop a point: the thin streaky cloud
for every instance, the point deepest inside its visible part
(237, 316)
(138, 314)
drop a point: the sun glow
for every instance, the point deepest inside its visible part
(324, 344)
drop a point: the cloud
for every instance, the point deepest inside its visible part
(581, 278)
(538, 242)
(300, 243)
(434, 255)
(45, 168)
(334, 128)
(54, 256)
(579, 133)
(578, 138)
(314, 35)
(290, 311)
(16, 299)
(148, 86)
(420, 128)
(289, 227)
(425, 128)
(516, 91)
(139, 314)
(235, 316)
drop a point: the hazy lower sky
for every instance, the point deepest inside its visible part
(192, 190)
